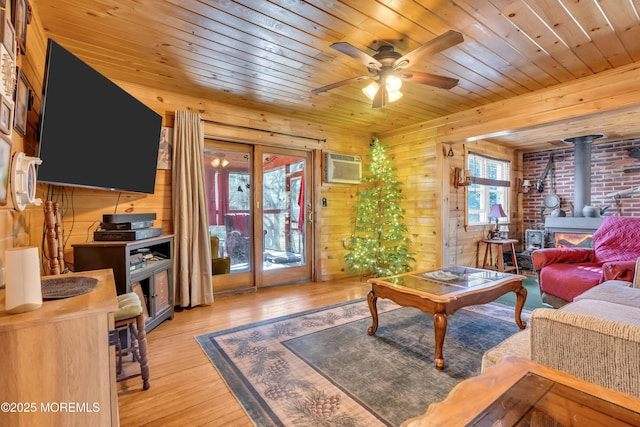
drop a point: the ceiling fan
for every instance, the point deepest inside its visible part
(387, 67)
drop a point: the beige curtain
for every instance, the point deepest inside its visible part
(192, 247)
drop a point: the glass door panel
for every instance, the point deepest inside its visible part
(251, 188)
(229, 201)
(285, 215)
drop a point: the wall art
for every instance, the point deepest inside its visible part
(5, 162)
(21, 16)
(6, 115)
(23, 94)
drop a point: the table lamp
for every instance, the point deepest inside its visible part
(496, 212)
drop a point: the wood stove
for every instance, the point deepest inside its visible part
(569, 232)
(576, 231)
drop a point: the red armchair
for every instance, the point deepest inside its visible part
(564, 273)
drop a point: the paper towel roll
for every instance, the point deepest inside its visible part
(22, 280)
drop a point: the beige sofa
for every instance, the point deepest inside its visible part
(596, 337)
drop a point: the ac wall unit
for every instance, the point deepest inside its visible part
(343, 169)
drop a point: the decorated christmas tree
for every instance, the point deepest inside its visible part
(379, 244)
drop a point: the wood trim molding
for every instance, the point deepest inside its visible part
(608, 91)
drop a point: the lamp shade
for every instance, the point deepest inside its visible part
(497, 211)
(371, 90)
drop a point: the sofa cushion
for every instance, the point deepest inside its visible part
(604, 310)
(570, 279)
(615, 291)
(516, 345)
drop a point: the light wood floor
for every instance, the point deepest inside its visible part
(185, 388)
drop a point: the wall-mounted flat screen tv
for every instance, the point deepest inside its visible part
(93, 133)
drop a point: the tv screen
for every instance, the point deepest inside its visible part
(92, 133)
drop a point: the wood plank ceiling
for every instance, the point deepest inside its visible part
(270, 55)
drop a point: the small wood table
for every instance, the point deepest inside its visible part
(519, 392)
(442, 292)
(499, 244)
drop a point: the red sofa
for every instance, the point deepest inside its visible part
(564, 273)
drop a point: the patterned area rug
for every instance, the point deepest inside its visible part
(321, 368)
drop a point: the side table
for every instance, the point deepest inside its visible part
(499, 244)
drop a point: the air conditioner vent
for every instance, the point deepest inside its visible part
(343, 168)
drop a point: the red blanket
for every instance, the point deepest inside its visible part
(617, 239)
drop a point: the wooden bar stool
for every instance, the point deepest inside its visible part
(499, 243)
(130, 317)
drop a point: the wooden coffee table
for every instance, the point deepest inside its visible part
(442, 292)
(519, 392)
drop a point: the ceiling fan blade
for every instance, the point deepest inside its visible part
(357, 54)
(379, 99)
(429, 79)
(340, 83)
(440, 43)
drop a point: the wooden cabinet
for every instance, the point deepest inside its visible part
(152, 279)
(58, 368)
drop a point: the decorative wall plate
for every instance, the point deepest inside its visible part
(23, 181)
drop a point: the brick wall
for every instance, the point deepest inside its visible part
(608, 162)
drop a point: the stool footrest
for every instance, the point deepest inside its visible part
(137, 349)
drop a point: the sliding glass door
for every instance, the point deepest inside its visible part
(259, 215)
(285, 214)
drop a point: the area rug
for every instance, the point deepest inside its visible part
(534, 299)
(321, 368)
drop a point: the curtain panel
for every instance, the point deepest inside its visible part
(190, 218)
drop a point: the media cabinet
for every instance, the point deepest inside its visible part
(153, 280)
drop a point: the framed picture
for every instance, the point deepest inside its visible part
(23, 94)
(6, 115)
(165, 149)
(20, 19)
(8, 35)
(5, 161)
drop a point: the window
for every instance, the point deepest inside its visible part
(489, 185)
(239, 191)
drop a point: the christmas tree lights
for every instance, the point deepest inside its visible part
(379, 244)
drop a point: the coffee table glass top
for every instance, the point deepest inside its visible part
(448, 280)
(537, 400)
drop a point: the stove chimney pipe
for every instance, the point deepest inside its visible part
(582, 171)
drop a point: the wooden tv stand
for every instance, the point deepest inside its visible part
(154, 279)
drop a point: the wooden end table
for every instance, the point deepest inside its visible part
(499, 244)
(442, 292)
(519, 392)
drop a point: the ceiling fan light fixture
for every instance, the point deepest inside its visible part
(393, 96)
(393, 84)
(371, 90)
(219, 161)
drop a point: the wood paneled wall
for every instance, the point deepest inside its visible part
(435, 208)
(83, 208)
